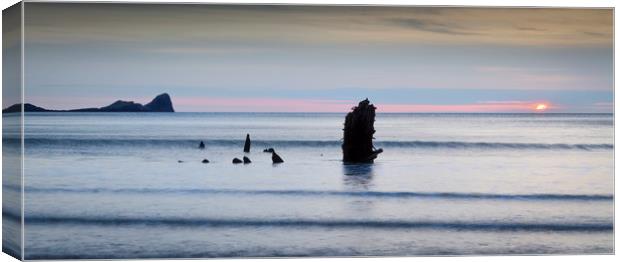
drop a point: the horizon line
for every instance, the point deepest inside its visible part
(323, 112)
(340, 112)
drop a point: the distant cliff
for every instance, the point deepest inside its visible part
(27, 108)
(161, 103)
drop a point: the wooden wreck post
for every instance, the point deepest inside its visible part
(358, 134)
(246, 146)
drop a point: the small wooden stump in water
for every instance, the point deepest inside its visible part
(269, 150)
(246, 146)
(358, 134)
(275, 158)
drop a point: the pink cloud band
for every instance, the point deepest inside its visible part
(213, 104)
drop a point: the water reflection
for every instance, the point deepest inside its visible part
(358, 177)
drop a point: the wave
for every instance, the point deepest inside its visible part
(188, 143)
(385, 224)
(487, 145)
(319, 193)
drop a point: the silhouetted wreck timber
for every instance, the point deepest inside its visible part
(358, 134)
(269, 150)
(275, 158)
(246, 146)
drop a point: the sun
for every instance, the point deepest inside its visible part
(541, 107)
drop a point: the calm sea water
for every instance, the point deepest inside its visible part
(109, 185)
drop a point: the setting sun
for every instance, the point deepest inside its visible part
(541, 107)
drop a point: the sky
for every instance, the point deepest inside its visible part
(244, 58)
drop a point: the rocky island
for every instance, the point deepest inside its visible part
(161, 103)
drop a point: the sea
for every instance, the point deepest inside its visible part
(133, 185)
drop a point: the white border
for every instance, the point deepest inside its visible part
(22, 131)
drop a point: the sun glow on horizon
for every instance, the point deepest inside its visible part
(541, 107)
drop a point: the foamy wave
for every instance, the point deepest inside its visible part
(304, 223)
(319, 193)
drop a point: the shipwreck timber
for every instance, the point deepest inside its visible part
(358, 134)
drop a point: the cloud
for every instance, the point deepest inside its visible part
(479, 107)
(588, 33)
(531, 29)
(535, 78)
(603, 106)
(78, 50)
(225, 104)
(277, 26)
(259, 104)
(202, 50)
(430, 26)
